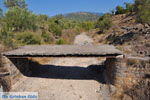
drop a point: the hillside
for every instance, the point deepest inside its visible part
(129, 36)
(134, 40)
(83, 16)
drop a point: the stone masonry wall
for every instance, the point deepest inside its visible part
(17, 67)
(126, 73)
(5, 82)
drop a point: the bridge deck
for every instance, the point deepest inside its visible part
(64, 51)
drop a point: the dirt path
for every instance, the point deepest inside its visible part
(64, 78)
(83, 39)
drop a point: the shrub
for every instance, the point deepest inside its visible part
(27, 38)
(87, 25)
(46, 37)
(13, 3)
(1, 12)
(104, 22)
(7, 39)
(120, 10)
(129, 7)
(61, 41)
(142, 9)
(42, 19)
(56, 29)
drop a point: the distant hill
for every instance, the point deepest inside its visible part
(83, 16)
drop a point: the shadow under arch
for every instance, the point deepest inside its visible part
(92, 72)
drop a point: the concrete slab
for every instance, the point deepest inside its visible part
(64, 51)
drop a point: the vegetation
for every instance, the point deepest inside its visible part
(1, 12)
(129, 8)
(46, 38)
(14, 3)
(18, 19)
(104, 22)
(120, 10)
(6, 38)
(26, 38)
(19, 26)
(142, 9)
(61, 41)
(83, 16)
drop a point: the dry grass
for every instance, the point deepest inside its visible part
(132, 62)
(69, 35)
(125, 48)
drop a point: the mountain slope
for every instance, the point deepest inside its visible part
(83, 16)
(129, 36)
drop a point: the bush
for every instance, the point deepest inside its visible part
(1, 12)
(42, 19)
(19, 19)
(120, 10)
(129, 7)
(7, 39)
(142, 9)
(56, 29)
(28, 38)
(46, 37)
(13, 3)
(87, 25)
(104, 22)
(61, 41)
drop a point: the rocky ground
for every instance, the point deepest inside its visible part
(65, 78)
(131, 37)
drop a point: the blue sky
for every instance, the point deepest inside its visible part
(53, 7)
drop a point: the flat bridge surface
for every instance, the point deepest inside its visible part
(64, 51)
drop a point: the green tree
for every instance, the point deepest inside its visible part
(129, 7)
(1, 12)
(55, 26)
(139, 4)
(56, 29)
(119, 10)
(42, 18)
(14, 3)
(142, 9)
(18, 19)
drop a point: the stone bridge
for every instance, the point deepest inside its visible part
(64, 51)
(117, 69)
